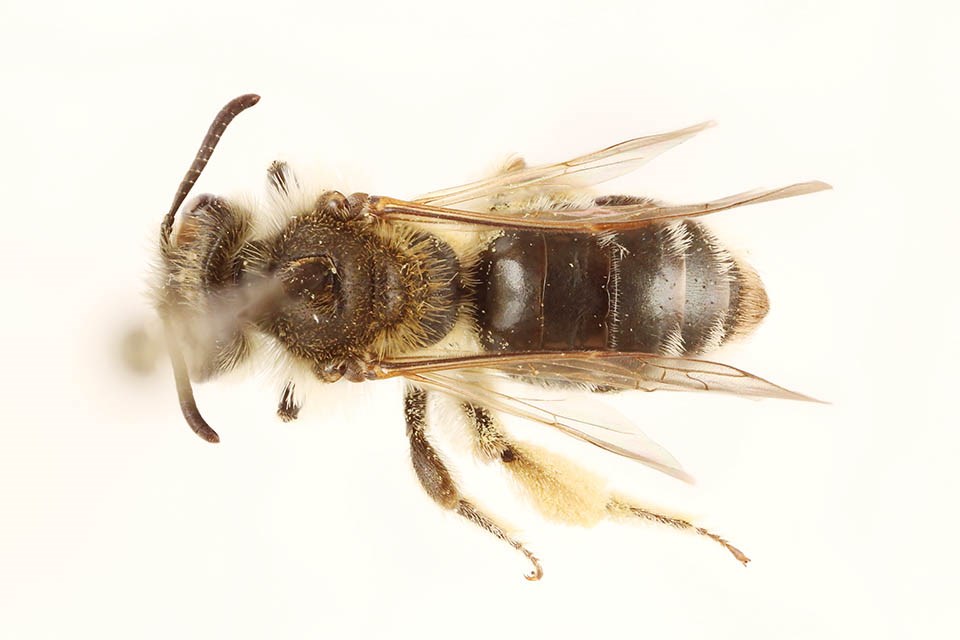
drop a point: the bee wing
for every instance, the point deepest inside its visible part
(615, 370)
(611, 431)
(471, 378)
(592, 168)
(594, 219)
(653, 373)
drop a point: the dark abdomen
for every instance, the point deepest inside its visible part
(666, 288)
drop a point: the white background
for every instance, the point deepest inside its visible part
(116, 521)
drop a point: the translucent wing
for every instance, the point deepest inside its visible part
(595, 219)
(580, 172)
(615, 370)
(471, 378)
(649, 373)
(608, 430)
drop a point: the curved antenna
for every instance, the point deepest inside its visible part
(185, 391)
(230, 111)
(180, 372)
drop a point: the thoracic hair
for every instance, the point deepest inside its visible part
(326, 288)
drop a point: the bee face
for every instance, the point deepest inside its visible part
(562, 290)
(204, 266)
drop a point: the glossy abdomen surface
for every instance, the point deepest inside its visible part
(666, 288)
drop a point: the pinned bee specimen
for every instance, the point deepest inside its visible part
(521, 277)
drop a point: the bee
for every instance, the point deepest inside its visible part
(524, 276)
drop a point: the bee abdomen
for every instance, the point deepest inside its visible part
(665, 288)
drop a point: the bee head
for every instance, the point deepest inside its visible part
(203, 293)
(202, 269)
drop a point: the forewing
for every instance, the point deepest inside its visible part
(651, 373)
(595, 219)
(590, 169)
(603, 370)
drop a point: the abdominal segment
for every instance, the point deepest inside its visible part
(666, 288)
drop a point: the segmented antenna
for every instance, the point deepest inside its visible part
(185, 391)
(230, 111)
(180, 372)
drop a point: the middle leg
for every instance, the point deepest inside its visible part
(439, 483)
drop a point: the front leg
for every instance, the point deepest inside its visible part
(280, 178)
(288, 408)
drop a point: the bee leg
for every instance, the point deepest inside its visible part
(559, 489)
(621, 508)
(280, 177)
(288, 409)
(438, 482)
(489, 443)
(514, 163)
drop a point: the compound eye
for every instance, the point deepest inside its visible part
(201, 218)
(314, 281)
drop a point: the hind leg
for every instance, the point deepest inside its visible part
(562, 490)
